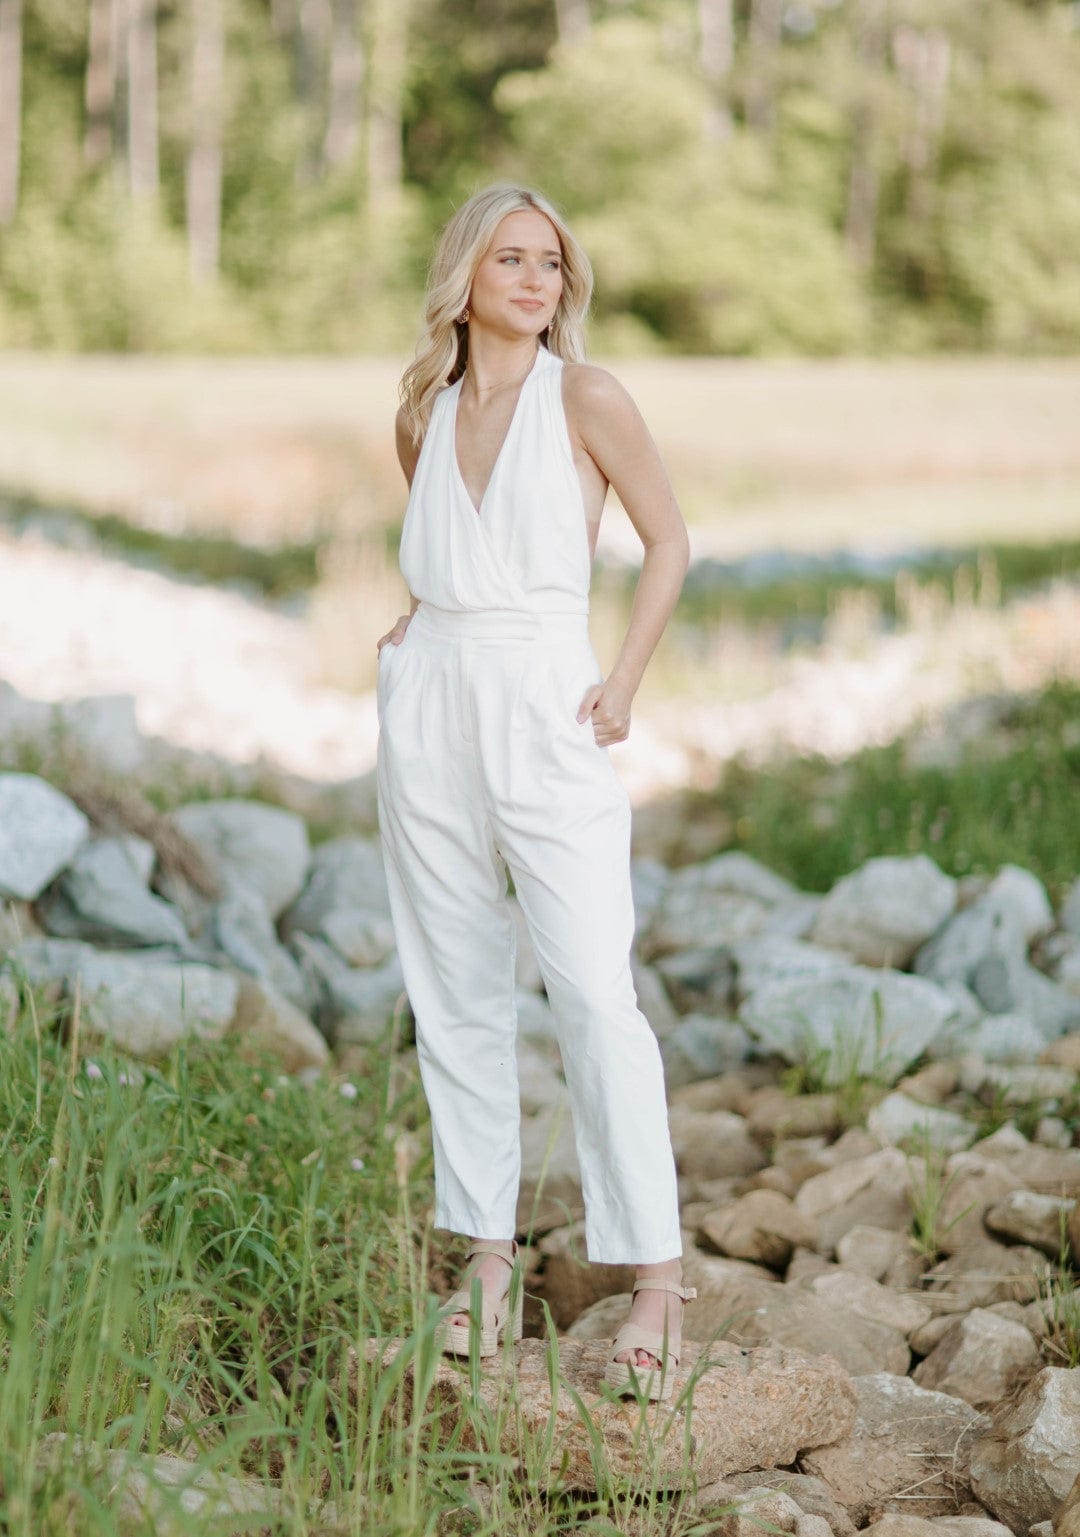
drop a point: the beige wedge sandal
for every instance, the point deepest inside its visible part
(655, 1382)
(494, 1315)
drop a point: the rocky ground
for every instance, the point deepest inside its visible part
(874, 1104)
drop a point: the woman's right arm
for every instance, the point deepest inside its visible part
(408, 453)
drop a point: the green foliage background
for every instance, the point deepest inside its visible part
(734, 243)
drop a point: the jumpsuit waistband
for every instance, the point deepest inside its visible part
(497, 623)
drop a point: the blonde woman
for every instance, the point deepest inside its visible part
(495, 720)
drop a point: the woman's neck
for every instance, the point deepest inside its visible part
(495, 364)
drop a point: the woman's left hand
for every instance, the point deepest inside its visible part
(609, 705)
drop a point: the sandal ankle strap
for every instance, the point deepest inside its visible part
(492, 1246)
(661, 1283)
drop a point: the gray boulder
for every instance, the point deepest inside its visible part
(345, 875)
(985, 948)
(243, 930)
(352, 1005)
(702, 1047)
(40, 832)
(259, 846)
(857, 1022)
(768, 958)
(145, 1003)
(881, 913)
(103, 896)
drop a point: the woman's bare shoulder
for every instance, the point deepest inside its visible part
(592, 385)
(596, 403)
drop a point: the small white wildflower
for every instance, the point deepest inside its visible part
(356, 1165)
(348, 1091)
(92, 1070)
(54, 1162)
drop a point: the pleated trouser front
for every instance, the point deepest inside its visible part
(483, 767)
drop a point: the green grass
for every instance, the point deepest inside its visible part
(1012, 798)
(191, 1253)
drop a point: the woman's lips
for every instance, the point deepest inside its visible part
(530, 304)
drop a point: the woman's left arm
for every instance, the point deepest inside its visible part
(613, 433)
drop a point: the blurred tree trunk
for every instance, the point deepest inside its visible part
(864, 180)
(10, 106)
(203, 181)
(766, 17)
(311, 40)
(388, 34)
(572, 20)
(142, 109)
(923, 61)
(346, 84)
(717, 53)
(100, 84)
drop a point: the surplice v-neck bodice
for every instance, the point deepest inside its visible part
(456, 388)
(527, 546)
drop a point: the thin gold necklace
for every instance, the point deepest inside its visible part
(503, 383)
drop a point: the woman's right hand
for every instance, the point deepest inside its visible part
(395, 635)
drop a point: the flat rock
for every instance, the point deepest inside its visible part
(981, 1358)
(870, 1300)
(712, 1144)
(762, 1226)
(40, 831)
(745, 1410)
(772, 1115)
(909, 1450)
(873, 1189)
(872, 1251)
(881, 913)
(895, 1524)
(1026, 1216)
(859, 1021)
(1029, 1459)
(265, 847)
(753, 1311)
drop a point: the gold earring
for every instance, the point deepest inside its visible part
(463, 317)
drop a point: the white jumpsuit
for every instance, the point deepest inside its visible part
(482, 766)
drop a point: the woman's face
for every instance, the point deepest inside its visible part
(518, 284)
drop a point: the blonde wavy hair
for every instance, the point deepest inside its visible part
(442, 350)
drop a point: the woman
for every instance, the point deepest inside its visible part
(495, 721)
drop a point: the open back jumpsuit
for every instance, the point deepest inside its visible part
(482, 766)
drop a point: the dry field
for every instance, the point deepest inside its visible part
(801, 454)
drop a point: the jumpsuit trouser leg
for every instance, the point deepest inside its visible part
(483, 768)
